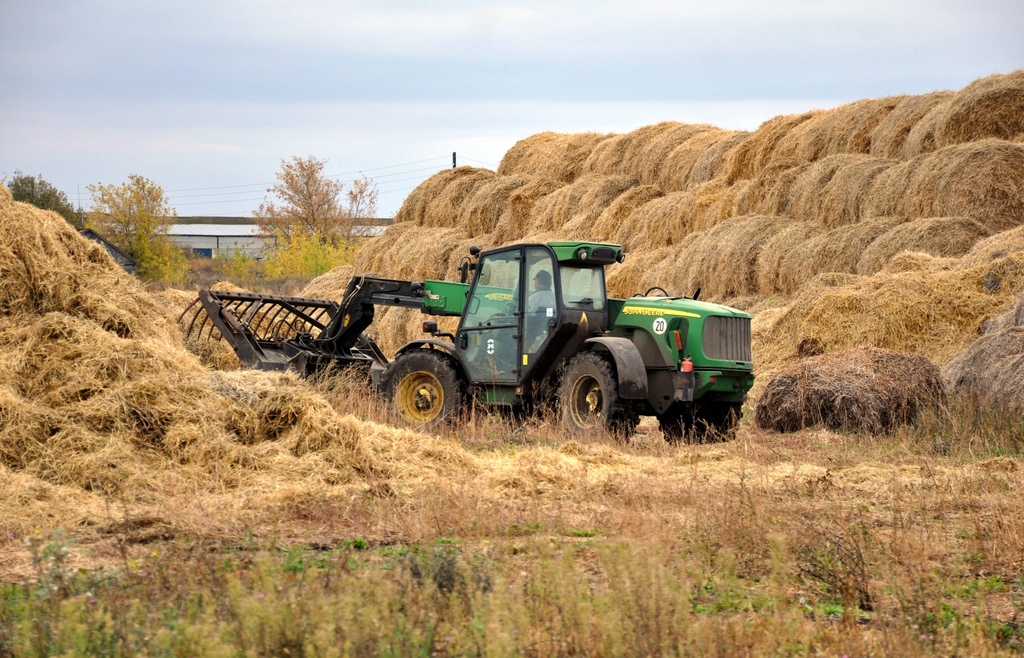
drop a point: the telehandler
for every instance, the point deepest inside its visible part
(536, 330)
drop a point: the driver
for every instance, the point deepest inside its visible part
(542, 297)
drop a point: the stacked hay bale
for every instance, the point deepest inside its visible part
(755, 216)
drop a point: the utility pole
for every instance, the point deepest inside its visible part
(453, 159)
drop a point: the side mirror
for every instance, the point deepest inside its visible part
(474, 251)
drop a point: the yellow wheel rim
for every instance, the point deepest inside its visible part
(585, 401)
(420, 396)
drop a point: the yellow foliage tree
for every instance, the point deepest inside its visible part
(135, 216)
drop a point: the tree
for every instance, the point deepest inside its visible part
(42, 194)
(311, 205)
(135, 216)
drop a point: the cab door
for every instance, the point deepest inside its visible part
(489, 338)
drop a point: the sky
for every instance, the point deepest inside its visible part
(207, 98)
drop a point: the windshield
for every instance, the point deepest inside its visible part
(583, 287)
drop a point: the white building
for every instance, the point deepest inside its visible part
(221, 237)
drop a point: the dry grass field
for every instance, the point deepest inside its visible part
(156, 500)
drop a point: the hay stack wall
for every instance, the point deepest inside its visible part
(758, 218)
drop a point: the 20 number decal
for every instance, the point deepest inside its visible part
(660, 326)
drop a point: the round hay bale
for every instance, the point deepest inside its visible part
(714, 157)
(770, 192)
(937, 312)
(617, 222)
(996, 246)
(768, 274)
(515, 221)
(891, 132)
(862, 390)
(843, 198)
(943, 237)
(722, 261)
(757, 151)
(483, 210)
(835, 250)
(989, 107)
(696, 160)
(661, 158)
(555, 156)
(807, 194)
(921, 138)
(983, 180)
(577, 206)
(661, 222)
(887, 193)
(844, 130)
(438, 200)
(991, 369)
(638, 153)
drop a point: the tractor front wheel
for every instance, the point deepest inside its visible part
(424, 388)
(590, 397)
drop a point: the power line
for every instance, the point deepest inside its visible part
(350, 173)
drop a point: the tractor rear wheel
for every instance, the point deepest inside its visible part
(424, 388)
(590, 397)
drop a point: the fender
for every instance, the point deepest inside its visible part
(433, 343)
(628, 364)
(377, 374)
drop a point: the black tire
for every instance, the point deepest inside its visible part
(590, 400)
(709, 422)
(424, 389)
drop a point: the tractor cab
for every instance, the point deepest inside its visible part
(528, 307)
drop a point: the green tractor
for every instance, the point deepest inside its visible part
(536, 330)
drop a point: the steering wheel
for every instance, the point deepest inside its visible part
(511, 308)
(650, 290)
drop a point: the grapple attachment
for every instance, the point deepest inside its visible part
(271, 332)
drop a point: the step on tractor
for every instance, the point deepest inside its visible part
(536, 331)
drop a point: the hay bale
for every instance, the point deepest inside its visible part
(846, 129)
(573, 209)
(619, 222)
(662, 222)
(844, 197)
(830, 190)
(768, 275)
(892, 132)
(515, 221)
(991, 369)
(989, 107)
(996, 246)
(983, 180)
(715, 151)
(937, 311)
(437, 200)
(942, 237)
(830, 250)
(483, 210)
(770, 192)
(866, 389)
(696, 160)
(921, 139)
(758, 150)
(556, 156)
(639, 154)
(722, 261)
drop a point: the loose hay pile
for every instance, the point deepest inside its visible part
(869, 390)
(97, 392)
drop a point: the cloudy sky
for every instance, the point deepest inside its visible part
(207, 98)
